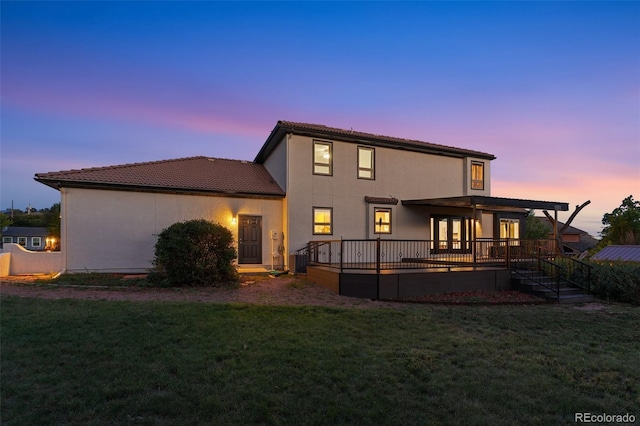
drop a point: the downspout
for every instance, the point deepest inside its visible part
(286, 244)
(63, 231)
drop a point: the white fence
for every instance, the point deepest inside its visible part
(16, 260)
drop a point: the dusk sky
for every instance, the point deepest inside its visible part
(552, 89)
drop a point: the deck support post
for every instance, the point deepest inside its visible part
(378, 256)
(341, 254)
(474, 236)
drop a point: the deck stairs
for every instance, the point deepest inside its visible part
(540, 284)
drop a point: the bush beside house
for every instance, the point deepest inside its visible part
(618, 281)
(194, 253)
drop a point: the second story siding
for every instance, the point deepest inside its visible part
(399, 173)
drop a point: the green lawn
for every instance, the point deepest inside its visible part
(99, 362)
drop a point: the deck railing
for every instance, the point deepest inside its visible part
(382, 255)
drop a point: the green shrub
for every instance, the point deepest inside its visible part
(619, 281)
(194, 253)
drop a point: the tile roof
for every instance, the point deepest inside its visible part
(570, 229)
(192, 175)
(319, 130)
(618, 253)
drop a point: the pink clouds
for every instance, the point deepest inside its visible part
(110, 106)
(606, 192)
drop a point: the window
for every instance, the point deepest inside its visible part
(477, 175)
(509, 228)
(7, 239)
(322, 222)
(366, 163)
(382, 219)
(36, 242)
(22, 241)
(322, 161)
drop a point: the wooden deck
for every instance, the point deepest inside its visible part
(404, 283)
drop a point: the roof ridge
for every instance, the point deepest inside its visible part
(121, 166)
(138, 164)
(312, 126)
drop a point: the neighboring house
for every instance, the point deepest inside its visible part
(574, 241)
(31, 238)
(307, 183)
(620, 253)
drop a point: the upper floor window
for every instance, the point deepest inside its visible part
(477, 175)
(366, 163)
(322, 220)
(382, 219)
(322, 158)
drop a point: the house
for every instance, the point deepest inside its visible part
(308, 183)
(618, 253)
(574, 241)
(30, 237)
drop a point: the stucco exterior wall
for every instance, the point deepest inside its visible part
(16, 260)
(104, 230)
(276, 164)
(398, 173)
(5, 259)
(468, 190)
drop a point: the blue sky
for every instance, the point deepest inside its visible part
(551, 88)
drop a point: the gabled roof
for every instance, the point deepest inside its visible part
(25, 231)
(586, 241)
(618, 253)
(201, 175)
(320, 131)
(569, 231)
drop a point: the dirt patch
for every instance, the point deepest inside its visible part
(259, 290)
(285, 290)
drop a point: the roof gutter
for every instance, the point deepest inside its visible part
(58, 184)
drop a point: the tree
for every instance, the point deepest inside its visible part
(4, 221)
(536, 228)
(622, 225)
(560, 231)
(51, 220)
(194, 253)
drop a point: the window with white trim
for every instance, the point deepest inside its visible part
(7, 239)
(366, 163)
(322, 158)
(382, 219)
(36, 242)
(22, 241)
(322, 220)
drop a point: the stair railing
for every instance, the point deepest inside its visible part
(577, 273)
(537, 260)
